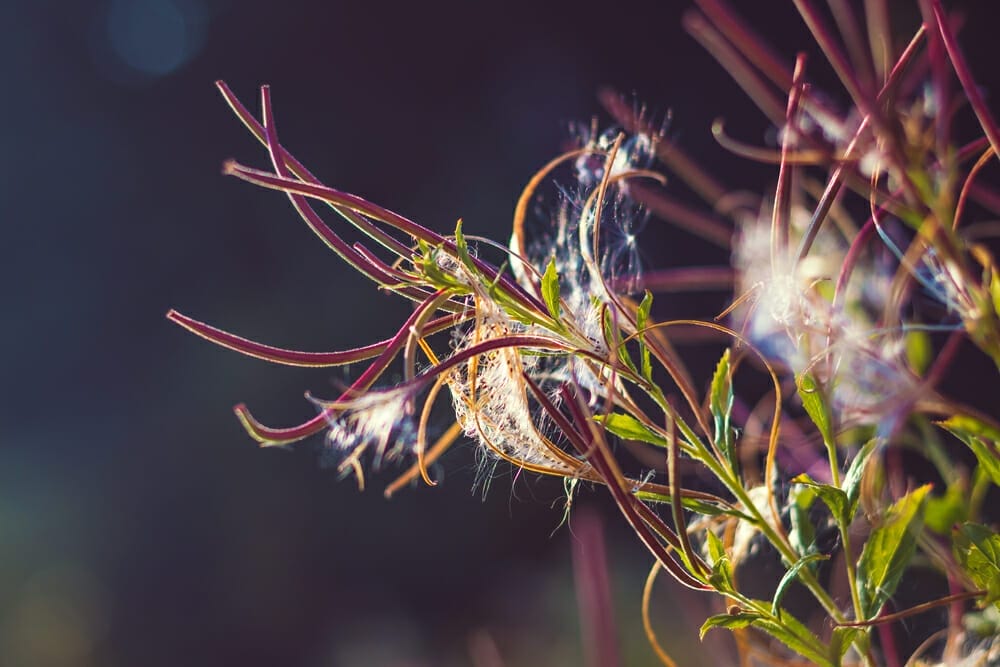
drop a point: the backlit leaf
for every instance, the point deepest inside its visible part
(978, 551)
(732, 621)
(721, 405)
(852, 480)
(789, 577)
(550, 289)
(642, 321)
(981, 438)
(627, 427)
(833, 497)
(888, 551)
(815, 405)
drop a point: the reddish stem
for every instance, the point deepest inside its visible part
(965, 77)
(593, 591)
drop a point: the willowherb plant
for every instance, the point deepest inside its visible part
(855, 281)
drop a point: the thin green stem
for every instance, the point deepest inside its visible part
(831, 453)
(852, 578)
(787, 552)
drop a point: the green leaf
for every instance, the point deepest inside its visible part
(627, 427)
(721, 400)
(987, 458)
(978, 551)
(613, 336)
(833, 497)
(641, 322)
(888, 551)
(841, 640)
(460, 243)
(802, 535)
(722, 573)
(721, 578)
(732, 621)
(978, 437)
(550, 289)
(790, 632)
(711, 509)
(815, 405)
(945, 511)
(789, 577)
(995, 291)
(695, 505)
(852, 480)
(919, 351)
(510, 305)
(462, 248)
(969, 425)
(721, 405)
(716, 551)
(425, 261)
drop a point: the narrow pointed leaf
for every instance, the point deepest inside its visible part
(802, 534)
(629, 428)
(978, 551)
(721, 406)
(716, 550)
(815, 405)
(641, 322)
(981, 438)
(789, 577)
(841, 640)
(731, 621)
(550, 289)
(793, 634)
(946, 511)
(888, 551)
(852, 480)
(833, 497)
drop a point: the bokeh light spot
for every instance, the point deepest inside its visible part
(151, 36)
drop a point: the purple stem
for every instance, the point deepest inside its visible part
(965, 77)
(688, 279)
(284, 436)
(298, 358)
(593, 591)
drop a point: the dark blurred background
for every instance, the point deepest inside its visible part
(139, 525)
